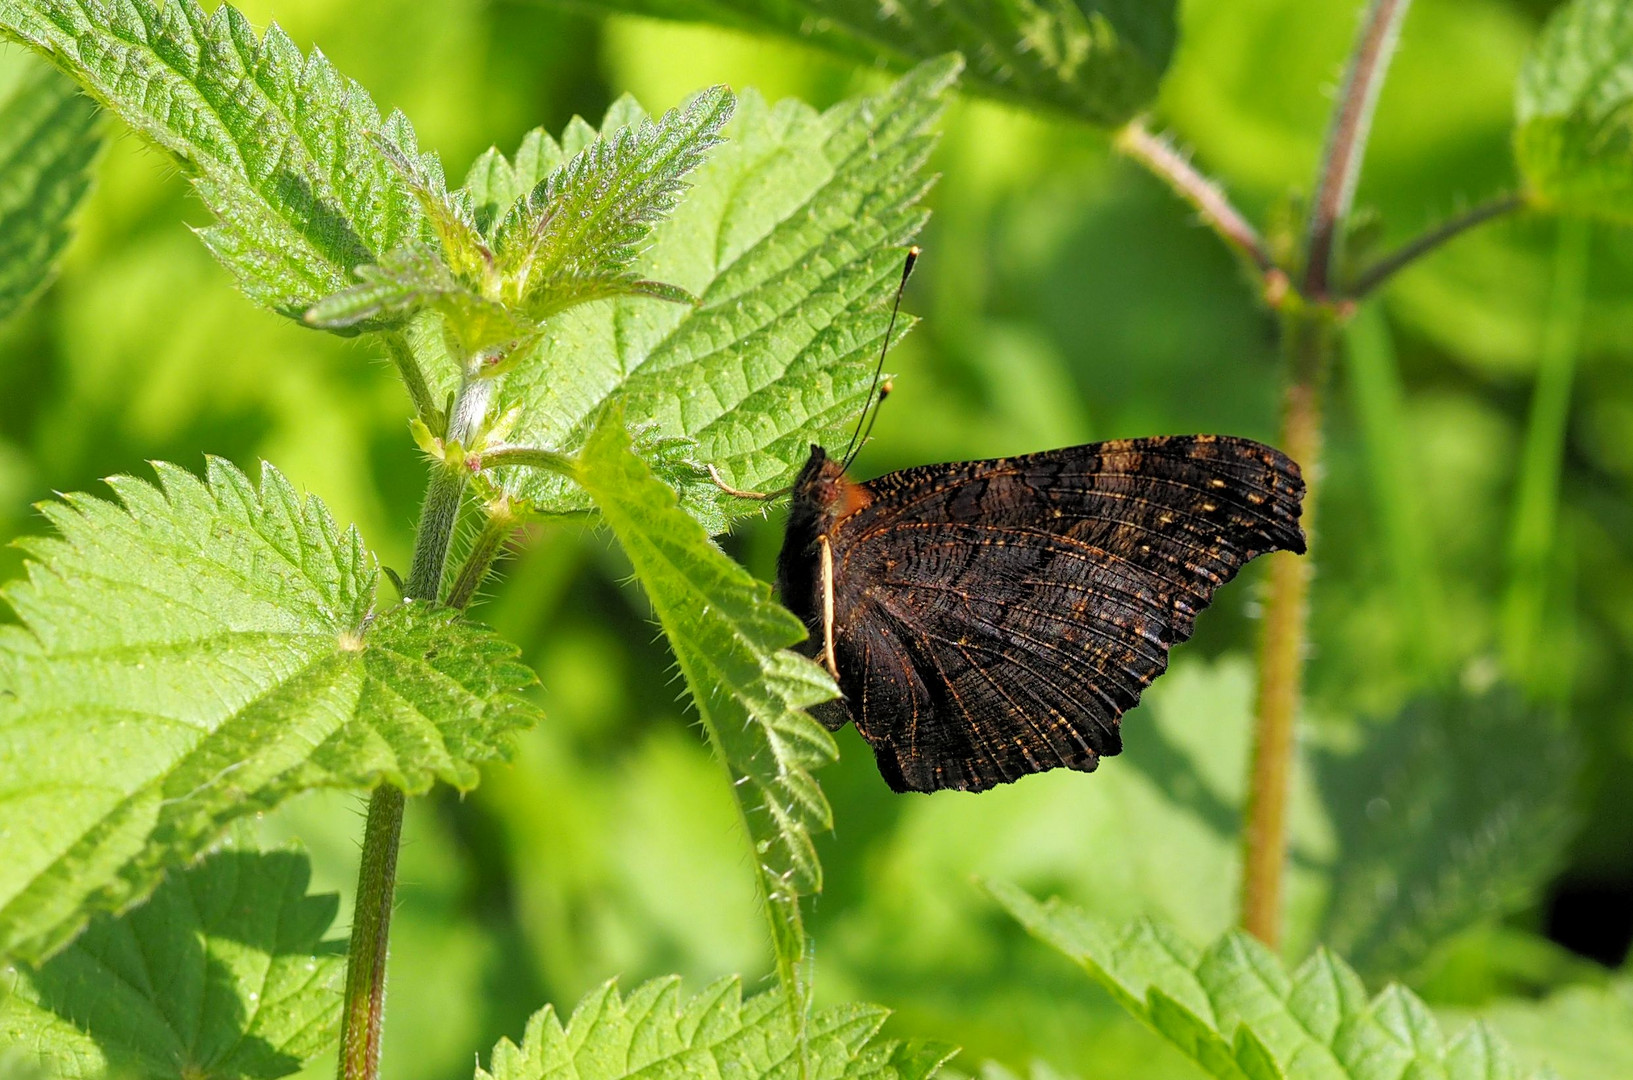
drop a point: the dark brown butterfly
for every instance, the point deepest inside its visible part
(990, 619)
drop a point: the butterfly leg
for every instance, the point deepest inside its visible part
(828, 606)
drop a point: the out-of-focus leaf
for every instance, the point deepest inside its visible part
(1450, 813)
(1097, 60)
(1236, 1010)
(657, 1034)
(731, 639)
(1581, 1032)
(1532, 564)
(220, 974)
(789, 240)
(276, 143)
(48, 139)
(1574, 111)
(199, 653)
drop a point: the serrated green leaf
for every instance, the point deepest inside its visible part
(1424, 851)
(1097, 60)
(275, 142)
(789, 238)
(657, 1033)
(586, 219)
(731, 640)
(1574, 111)
(222, 973)
(49, 139)
(407, 279)
(566, 241)
(199, 653)
(1238, 1012)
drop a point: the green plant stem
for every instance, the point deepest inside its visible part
(361, 1023)
(1536, 501)
(1308, 337)
(1346, 144)
(363, 1007)
(1205, 196)
(490, 542)
(529, 456)
(440, 511)
(1309, 328)
(1387, 267)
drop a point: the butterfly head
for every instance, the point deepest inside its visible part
(824, 494)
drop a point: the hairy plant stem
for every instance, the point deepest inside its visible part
(1205, 196)
(363, 1006)
(1346, 143)
(1309, 334)
(485, 551)
(413, 375)
(364, 1003)
(440, 511)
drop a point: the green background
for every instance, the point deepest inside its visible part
(1065, 297)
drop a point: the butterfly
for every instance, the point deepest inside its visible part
(986, 620)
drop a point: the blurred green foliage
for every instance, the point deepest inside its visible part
(1064, 296)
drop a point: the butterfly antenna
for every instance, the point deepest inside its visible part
(859, 437)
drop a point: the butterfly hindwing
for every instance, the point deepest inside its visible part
(997, 618)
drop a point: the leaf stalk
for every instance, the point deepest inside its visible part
(1368, 280)
(1205, 196)
(413, 376)
(484, 553)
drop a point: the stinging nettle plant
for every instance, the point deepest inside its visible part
(583, 327)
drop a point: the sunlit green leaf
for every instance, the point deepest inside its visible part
(1574, 111)
(275, 142)
(789, 238)
(48, 139)
(220, 974)
(567, 241)
(199, 653)
(588, 217)
(657, 1033)
(1237, 1011)
(1098, 60)
(1426, 850)
(731, 640)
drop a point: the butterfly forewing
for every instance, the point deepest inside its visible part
(997, 618)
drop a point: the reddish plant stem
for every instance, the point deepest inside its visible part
(363, 1018)
(1346, 143)
(1308, 334)
(1387, 267)
(1205, 196)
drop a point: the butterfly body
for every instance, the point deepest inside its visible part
(990, 619)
